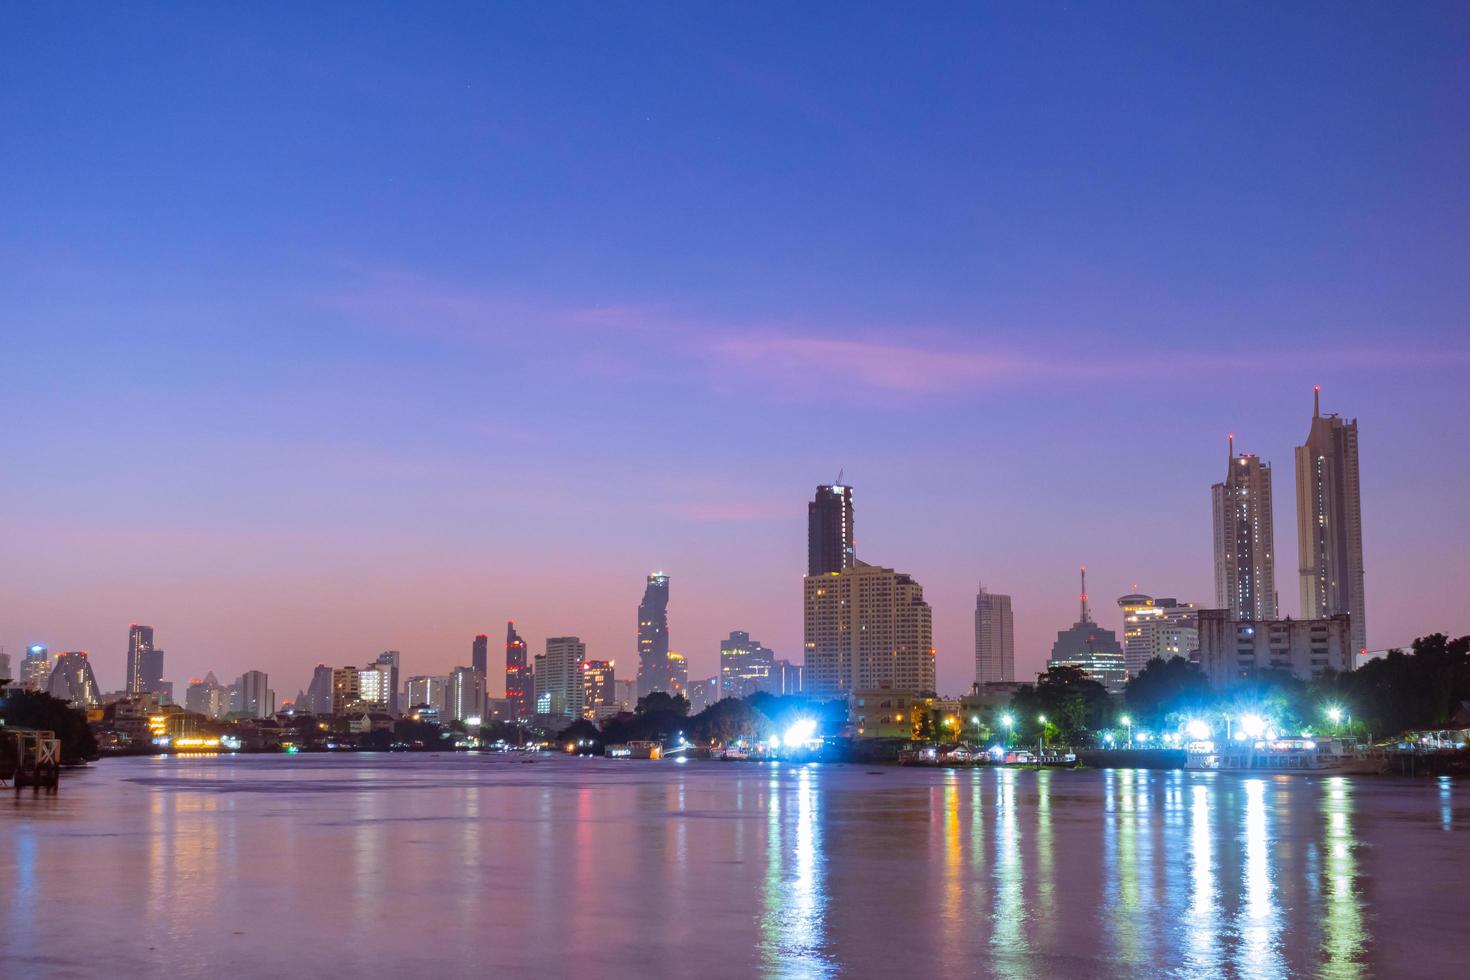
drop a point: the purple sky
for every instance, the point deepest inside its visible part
(332, 330)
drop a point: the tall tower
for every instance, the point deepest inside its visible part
(866, 628)
(517, 677)
(144, 669)
(480, 654)
(995, 638)
(1329, 522)
(565, 656)
(1245, 556)
(654, 671)
(829, 530)
(389, 661)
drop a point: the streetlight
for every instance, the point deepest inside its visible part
(1042, 719)
(1127, 721)
(1009, 721)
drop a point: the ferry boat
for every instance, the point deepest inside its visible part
(1284, 755)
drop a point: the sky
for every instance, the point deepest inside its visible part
(333, 328)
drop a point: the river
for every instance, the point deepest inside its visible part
(480, 865)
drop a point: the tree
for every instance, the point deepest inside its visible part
(1074, 703)
(37, 709)
(1165, 688)
(729, 719)
(658, 702)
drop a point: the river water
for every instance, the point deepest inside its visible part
(457, 866)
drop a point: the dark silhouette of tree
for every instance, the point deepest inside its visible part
(1071, 701)
(659, 702)
(37, 709)
(1165, 689)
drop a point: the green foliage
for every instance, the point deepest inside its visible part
(1408, 691)
(1075, 706)
(37, 709)
(1164, 691)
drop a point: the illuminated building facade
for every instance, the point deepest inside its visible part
(829, 537)
(518, 692)
(599, 690)
(787, 677)
(653, 637)
(388, 662)
(1245, 554)
(207, 697)
(746, 666)
(252, 696)
(145, 662)
(885, 713)
(1157, 628)
(562, 686)
(995, 638)
(1329, 523)
(72, 680)
(464, 695)
(428, 691)
(866, 628)
(35, 667)
(1232, 650)
(1094, 649)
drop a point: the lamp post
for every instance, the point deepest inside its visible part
(1009, 721)
(1041, 747)
(1127, 721)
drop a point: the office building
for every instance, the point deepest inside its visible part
(540, 693)
(389, 661)
(72, 680)
(464, 695)
(626, 693)
(518, 682)
(145, 662)
(703, 693)
(5, 674)
(1329, 523)
(480, 654)
(1157, 628)
(829, 536)
(677, 673)
(562, 684)
(319, 692)
(1087, 645)
(1245, 556)
(599, 690)
(787, 678)
(866, 628)
(427, 691)
(35, 667)
(207, 697)
(653, 637)
(1232, 650)
(376, 685)
(746, 666)
(252, 696)
(995, 638)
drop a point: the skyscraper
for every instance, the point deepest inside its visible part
(388, 661)
(746, 666)
(207, 697)
(517, 677)
(319, 693)
(1329, 523)
(253, 696)
(1245, 557)
(653, 637)
(1094, 649)
(866, 628)
(72, 680)
(563, 683)
(5, 674)
(35, 667)
(480, 654)
(995, 638)
(599, 690)
(1157, 628)
(145, 662)
(427, 691)
(829, 546)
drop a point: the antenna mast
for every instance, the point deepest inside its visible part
(1085, 617)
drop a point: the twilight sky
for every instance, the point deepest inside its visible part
(333, 328)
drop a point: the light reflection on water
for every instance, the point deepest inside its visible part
(473, 866)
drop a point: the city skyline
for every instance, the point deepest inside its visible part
(429, 331)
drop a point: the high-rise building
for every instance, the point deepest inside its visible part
(480, 654)
(1232, 650)
(207, 697)
(72, 680)
(678, 675)
(653, 637)
(5, 674)
(319, 693)
(995, 638)
(703, 693)
(389, 661)
(346, 690)
(145, 662)
(829, 539)
(428, 691)
(1157, 628)
(1329, 522)
(1096, 650)
(746, 667)
(464, 695)
(254, 698)
(540, 692)
(788, 678)
(599, 690)
(1245, 556)
(866, 628)
(35, 667)
(626, 693)
(518, 693)
(562, 686)
(375, 686)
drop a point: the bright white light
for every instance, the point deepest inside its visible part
(1254, 726)
(473, 722)
(801, 731)
(1008, 720)
(775, 741)
(1335, 714)
(1197, 729)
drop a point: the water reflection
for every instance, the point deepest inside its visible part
(1203, 953)
(1344, 915)
(795, 902)
(1259, 921)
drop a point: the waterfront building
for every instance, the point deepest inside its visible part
(517, 673)
(599, 697)
(787, 678)
(1232, 650)
(388, 661)
(480, 654)
(885, 713)
(319, 692)
(746, 666)
(865, 628)
(1157, 628)
(1245, 555)
(1329, 523)
(1087, 645)
(428, 691)
(252, 696)
(72, 680)
(464, 695)
(35, 667)
(653, 637)
(995, 638)
(829, 530)
(561, 686)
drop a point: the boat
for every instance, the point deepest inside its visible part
(1281, 755)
